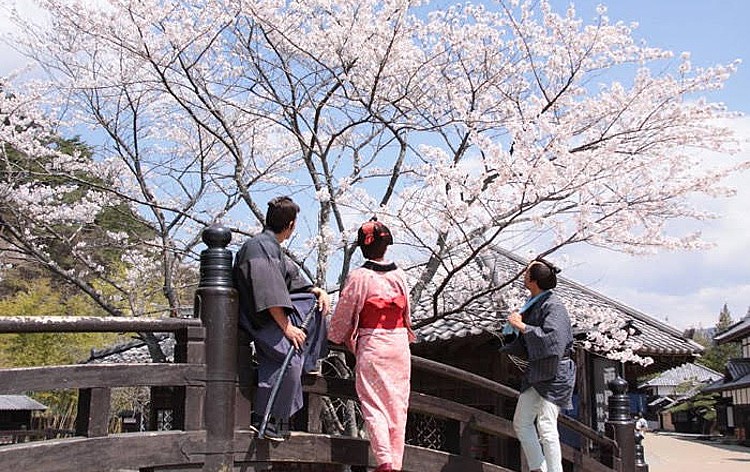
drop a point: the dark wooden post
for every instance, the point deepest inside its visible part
(246, 374)
(92, 419)
(217, 305)
(190, 348)
(620, 426)
(640, 459)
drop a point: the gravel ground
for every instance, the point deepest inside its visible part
(668, 453)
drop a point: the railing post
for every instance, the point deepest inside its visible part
(92, 419)
(216, 304)
(620, 425)
(640, 459)
(190, 349)
(465, 437)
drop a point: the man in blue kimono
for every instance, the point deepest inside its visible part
(264, 279)
(545, 339)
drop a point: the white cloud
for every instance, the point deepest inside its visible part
(12, 59)
(687, 288)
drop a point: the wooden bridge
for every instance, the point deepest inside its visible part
(208, 387)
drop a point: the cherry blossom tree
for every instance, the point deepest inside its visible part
(465, 128)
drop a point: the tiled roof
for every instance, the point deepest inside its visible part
(736, 332)
(19, 403)
(484, 317)
(738, 368)
(132, 352)
(742, 382)
(738, 376)
(685, 372)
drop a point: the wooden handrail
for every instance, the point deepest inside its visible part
(93, 324)
(24, 379)
(106, 376)
(450, 410)
(462, 375)
(483, 382)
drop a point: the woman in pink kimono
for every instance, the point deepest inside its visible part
(372, 319)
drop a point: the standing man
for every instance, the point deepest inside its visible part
(264, 278)
(545, 339)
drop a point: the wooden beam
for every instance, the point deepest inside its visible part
(93, 324)
(92, 419)
(171, 449)
(17, 381)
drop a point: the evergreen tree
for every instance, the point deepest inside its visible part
(39, 297)
(716, 356)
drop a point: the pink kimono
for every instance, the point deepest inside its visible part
(372, 318)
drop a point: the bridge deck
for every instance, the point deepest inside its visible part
(180, 450)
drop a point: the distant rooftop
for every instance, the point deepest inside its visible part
(738, 376)
(135, 351)
(735, 332)
(19, 403)
(683, 373)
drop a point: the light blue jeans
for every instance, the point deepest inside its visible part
(532, 407)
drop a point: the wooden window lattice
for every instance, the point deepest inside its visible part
(426, 431)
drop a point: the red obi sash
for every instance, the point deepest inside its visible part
(383, 313)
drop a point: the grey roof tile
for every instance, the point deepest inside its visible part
(738, 368)
(730, 383)
(134, 351)
(19, 403)
(736, 332)
(485, 315)
(683, 373)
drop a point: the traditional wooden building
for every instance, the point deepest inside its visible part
(16, 417)
(672, 387)
(733, 413)
(470, 339)
(16, 411)
(680, 381)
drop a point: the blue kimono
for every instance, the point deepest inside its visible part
(264, 278)
(547, 344)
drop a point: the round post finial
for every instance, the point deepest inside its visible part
(619, 402)
(216, 261)
(216, 236)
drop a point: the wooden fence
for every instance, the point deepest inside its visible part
(208, 392)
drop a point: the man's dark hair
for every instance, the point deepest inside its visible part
(281, 212)
(544, 273)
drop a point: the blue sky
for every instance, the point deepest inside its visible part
(713, 31)
(686, 289)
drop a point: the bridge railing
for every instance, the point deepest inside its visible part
(604, 455)
(184, 380)
(188, 379)
(208, 393)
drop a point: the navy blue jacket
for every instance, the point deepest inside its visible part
(547, 345)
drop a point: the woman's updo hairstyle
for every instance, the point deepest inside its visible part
(373, 238)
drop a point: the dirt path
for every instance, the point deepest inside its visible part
(677, 454)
